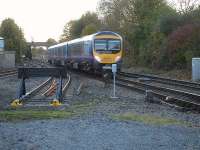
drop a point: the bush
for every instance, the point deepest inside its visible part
(183, 44)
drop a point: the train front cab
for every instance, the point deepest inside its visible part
(107, 51)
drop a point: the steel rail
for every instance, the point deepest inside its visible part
(51, 89)
(67, 84)
(35, 90)
(169, 81)
(166, 95)
(38, 100)
(7, 73)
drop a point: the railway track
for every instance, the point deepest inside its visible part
(173, 97)
(8, 73)
(193, 86)
(43, 94)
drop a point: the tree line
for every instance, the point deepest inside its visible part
(14, 38)
(156, 34)
(15, 41)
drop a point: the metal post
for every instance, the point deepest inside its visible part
(114, 87)
(22, 91)
(114, 71)
(22, 88)
(59, 91)
(59, 97)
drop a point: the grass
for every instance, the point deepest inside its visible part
(18, 115)
(15, 115)
(147, 119)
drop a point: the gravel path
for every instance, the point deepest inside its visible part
(89, 133)
(95, 129)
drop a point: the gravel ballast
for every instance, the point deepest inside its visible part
(96, 129)
(95, 133)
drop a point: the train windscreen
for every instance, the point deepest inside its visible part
(100, 45)
(114, 45)
(107, 45)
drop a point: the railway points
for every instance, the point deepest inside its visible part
(171, 96)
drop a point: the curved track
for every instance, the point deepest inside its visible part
(171, 96)
(167, 81)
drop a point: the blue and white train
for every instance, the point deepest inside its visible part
(93, 52)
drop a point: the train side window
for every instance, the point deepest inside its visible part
(56, 52)
(69, 50)
(65, 50)
(60, 51)
(51, 52)
(87, 47)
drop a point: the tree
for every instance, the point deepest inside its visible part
(74, 28)
(66, 36)
(89, 29)
(51, 42)
(186, 6)
(14, 37)
(137, 21)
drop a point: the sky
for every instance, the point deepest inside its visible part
(43, 19)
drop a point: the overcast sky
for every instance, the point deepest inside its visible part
(42, 19)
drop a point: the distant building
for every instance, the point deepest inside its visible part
(7, 58)
(1, 44)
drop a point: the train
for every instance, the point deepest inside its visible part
(96, 52)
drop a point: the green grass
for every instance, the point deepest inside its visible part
(15, 115)
(74, 110)
(147, 119)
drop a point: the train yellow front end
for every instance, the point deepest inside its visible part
(107, 50)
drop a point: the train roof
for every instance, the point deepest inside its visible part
(58, 45)
(86, 38)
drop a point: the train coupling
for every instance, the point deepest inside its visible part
(56, 103)
(16, 103)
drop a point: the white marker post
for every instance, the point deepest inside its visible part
(114, 71)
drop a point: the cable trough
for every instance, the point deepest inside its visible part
(170, 96)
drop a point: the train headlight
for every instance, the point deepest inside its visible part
(97, 58)
(117, 58)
